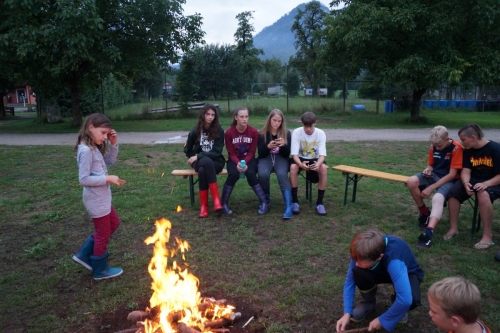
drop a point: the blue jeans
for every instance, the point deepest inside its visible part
(281, 167)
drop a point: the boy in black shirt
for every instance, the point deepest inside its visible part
(480, 175)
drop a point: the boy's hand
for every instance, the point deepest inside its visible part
(314, 166)
(342, 322)
(304, 165)
(374, 325)
(427, 172)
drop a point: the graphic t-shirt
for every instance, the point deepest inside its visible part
(483, 162)
(308, 146)
(241, 146)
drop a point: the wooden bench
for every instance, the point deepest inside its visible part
(9, 109)
(190, 173)
(354, 174)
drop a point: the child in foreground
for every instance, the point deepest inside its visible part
(455, 304)
(377, 259)
(93, 156)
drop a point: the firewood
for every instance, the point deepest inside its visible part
(137, 315)
(174, 317)
(356, 330)
(128, 330)
(217, 323)
(183, 328)
(220, 330)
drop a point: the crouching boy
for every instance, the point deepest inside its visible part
(377, 259)
(455, 304)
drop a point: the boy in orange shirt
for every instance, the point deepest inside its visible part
(443, 170)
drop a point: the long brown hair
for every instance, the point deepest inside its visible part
(282, 132)
(214, 129)
(84, 136)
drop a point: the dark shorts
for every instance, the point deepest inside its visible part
(458, 191)
(312, 176)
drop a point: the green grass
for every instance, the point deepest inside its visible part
(287, 274)
(131, 118)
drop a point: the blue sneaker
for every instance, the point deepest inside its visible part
(320, 209)
(296, 208)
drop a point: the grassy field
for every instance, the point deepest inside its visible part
(287, 274)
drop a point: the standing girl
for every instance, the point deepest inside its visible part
(204, 151)
(241, 144)
(93, 155)
(274, 154)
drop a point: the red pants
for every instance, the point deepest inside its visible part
(104, 227)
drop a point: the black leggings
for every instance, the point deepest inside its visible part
(207, 171)
(366, 279)
(233, 175)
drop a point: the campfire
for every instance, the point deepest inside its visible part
(176, 304)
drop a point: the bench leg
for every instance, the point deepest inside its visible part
(354, 188)
(346, 188)
(348, 180)
(191, 189)
(476, 217)
(308, 191)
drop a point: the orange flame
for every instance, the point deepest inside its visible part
(174, 288)
(178, 209)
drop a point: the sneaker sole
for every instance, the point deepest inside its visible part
(108, 277)
(75, 259)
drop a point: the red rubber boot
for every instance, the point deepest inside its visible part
(203, 203)
(214, 192)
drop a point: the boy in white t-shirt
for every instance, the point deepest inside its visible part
(308, 153)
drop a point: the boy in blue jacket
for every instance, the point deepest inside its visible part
(377, 259)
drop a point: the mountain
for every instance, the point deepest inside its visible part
(277, 39)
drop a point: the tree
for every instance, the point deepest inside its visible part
(248, 53)
(417, 44)
(292, 80)
(308, 30)
(75, 43)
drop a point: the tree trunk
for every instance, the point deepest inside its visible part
(75, 102)
(415, 104)
(2, 107)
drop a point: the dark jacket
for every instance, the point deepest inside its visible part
(205, 149)
(264, 141)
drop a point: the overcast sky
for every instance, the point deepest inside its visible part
(219, 16)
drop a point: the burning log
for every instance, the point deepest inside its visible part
(224, 321)
(183, 328)
(130, 330)
(138, 315)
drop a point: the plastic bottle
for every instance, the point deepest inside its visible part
(242, 166)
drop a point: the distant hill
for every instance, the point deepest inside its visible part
(277, 39)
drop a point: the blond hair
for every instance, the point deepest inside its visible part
(457, 297)
(282, 131)
(438, 134)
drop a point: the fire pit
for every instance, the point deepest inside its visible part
(176, 304)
